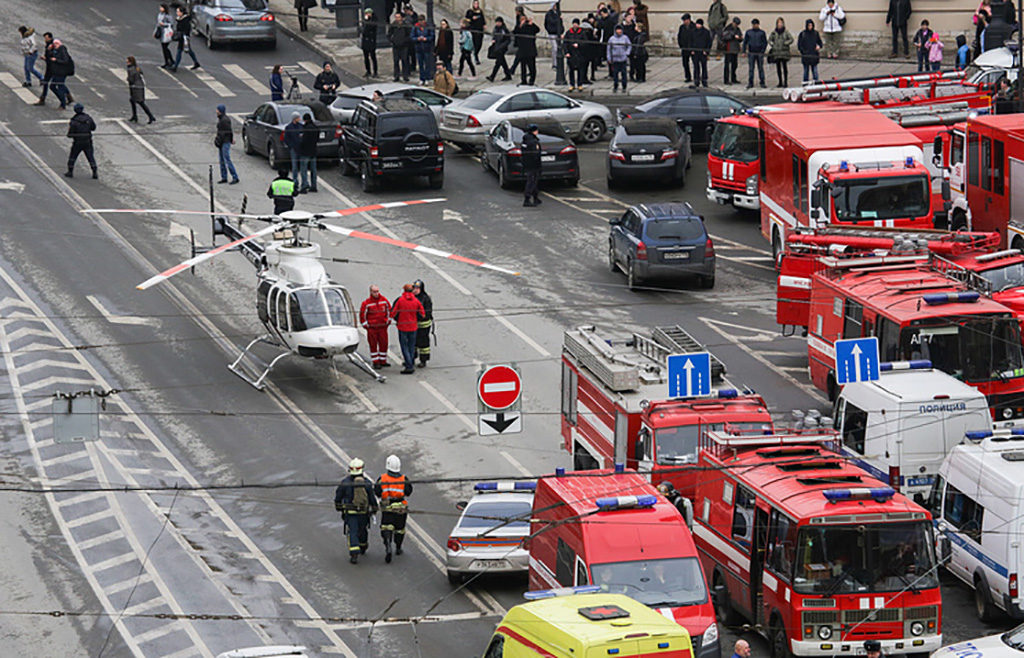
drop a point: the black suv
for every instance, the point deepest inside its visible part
(392, 137)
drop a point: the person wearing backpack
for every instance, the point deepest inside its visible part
(466, 46)
(355, 499)
(832, 18)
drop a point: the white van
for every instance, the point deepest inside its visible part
(977, 503)
(904, 423)
(989, 66)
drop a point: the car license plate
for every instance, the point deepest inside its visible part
(676, 255)
(547, 158)
(489, 564)
(648, 157)
(323, 135)
(392, 165)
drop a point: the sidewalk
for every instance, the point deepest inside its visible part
(663, 73)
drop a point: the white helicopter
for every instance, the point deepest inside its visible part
(303, 311)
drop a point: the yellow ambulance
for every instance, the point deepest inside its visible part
(567, 624)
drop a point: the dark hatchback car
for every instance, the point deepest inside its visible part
(697, 109)
(263, 130)
(661, 240)
(503, 155)
(649, 148)
(392, 138)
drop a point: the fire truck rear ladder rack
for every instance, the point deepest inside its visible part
(675, 340)
(972, 280)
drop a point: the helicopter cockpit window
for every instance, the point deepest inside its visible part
(338, 307)
(308, 310)
(262, 292)
(282, 311)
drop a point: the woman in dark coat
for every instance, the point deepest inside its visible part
(809, 45)
(137, 90)
(445, 48)
(426, 323)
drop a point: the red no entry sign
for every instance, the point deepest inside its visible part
(499, 387)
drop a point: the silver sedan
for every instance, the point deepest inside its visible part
(344, 106)
(489, 535)
(230, 21)
(467, 121)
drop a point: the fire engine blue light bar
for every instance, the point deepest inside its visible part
(728, 393)
(936, 298)
(916, 364)
(621, 502)
(505, 486)
(561, 591)
(859, 493)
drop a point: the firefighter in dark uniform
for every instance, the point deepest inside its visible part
(393, 488)
(531, 165)
(355, 500)
(425, 324)
(282, 190)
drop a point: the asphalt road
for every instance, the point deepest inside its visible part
(270, 565)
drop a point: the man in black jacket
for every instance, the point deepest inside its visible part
(326, 83)
(898, 17)
(554, 27)
(80, 130)
(502, 38)
(399, 36)
(685, 40)
(223, 141)
(755, 43)
(307, 154)
(702, 40)
(526, 45)
(368, 42)
(531, 165)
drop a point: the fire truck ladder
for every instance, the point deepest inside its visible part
(828, 90)
(673, 339)
(972, 280)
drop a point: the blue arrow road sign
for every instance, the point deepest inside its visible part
(856, 360)
(689, 374)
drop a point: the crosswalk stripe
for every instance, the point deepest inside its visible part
(14, 85)
(212, 83)
(178, 82)
(121, 75)
(310, 67)
(247, 80)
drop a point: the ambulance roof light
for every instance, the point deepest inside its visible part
(505, 486)
(916, 364)
(880, 494)
(561, 591)
(938, 298)
(626, 502)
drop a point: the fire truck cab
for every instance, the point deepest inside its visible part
(614, 406)
(733, 162)
(846, 166)
(814, 551)
(611, 528)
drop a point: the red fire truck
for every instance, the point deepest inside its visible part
(615, 411)
(917, 312)
(984, 159)
(734, 163)
(814, 551)
(611, 528)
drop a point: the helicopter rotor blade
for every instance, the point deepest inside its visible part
(352, 233)
(378, 206)
(195, 260)
(163, 211)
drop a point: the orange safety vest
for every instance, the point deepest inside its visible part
(392, 489)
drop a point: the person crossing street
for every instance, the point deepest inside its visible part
(183, 35)
(282, 190)
(355, 500)
(80, 130)
(137, 90)
(393, 489)
(223, 141)
(425, 324)
(375, 316)
(531, 165)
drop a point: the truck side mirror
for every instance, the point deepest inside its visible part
(816, 198)
(945, 189)
(937, 149)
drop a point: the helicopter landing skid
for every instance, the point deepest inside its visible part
(361, 363)
(253, 369)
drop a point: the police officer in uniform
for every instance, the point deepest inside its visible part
(393, 489)
(531, 165)
(873, 649)
(282, 190)
(355, 500)
(425, 323)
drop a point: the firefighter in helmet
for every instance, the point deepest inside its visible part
(355, 500)
(393, 488)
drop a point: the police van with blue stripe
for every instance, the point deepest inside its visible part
(977, 503)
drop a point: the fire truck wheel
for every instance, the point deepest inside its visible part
(776, 248)
(983, 606)
(1018, 243)
(958, 222)
(780, 643)
(724, 612)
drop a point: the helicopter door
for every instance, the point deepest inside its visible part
(281, 302)
(295, 311)
(262, 295)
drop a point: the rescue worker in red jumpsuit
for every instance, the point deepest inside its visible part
(393, 488)
(407, 312)
(375, 316)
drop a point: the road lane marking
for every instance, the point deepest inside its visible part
(122, 75)
(311, 68)
(247, 79)
(120, 319)
(517, 331)
(515, 463)
(213, 84)
(449, 405)
(100, 14)
(14, 186)
(14, 85)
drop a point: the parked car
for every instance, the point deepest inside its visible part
(344, 106)
(661, 240)
(502, 153)
(695, 108)
(467, 121)
(482, 541)
(393, 138)
(233, 21)
(263, 130)
(649, 148)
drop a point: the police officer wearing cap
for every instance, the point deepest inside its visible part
(531, 165)
(282, 190)
(355, 500)
(393, 489)
(873, 649)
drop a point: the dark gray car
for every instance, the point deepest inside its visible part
(234, 21)
(663, 240)
(649, 149)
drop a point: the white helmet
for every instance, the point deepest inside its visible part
(393, 464)
(355, 467)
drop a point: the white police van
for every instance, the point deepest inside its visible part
(977, 504)
(1003, 645)
(903, 425)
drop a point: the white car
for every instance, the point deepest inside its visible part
(1004, 645)
(344, 106)
(467, 121)
(490, 532)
